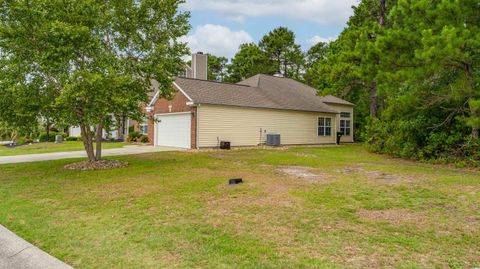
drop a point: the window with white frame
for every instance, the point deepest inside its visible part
(143, 126)
(324, 126)
(345, 127)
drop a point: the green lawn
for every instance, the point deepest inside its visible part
(312, 207)
(51, 147)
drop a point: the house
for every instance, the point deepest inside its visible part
(119, 133)
(203, 113)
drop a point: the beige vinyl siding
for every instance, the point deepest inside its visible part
(241, 126)
(344, 108)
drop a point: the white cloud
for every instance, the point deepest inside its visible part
(323, 12)
(236, 18)
(216, 39)
(316, 39)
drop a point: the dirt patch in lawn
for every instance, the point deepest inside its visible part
(306, 173)
(306, 155)
(350, 170)
(98, 165)
(387, 178)
(376, 175)
(394, 216)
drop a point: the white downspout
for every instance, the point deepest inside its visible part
(197, 131)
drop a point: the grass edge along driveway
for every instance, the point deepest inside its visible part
(50, 147)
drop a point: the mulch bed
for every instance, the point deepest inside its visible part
(14, 145)
(98, 165)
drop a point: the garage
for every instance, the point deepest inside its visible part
(173, 130)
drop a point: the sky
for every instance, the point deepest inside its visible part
(219, 27)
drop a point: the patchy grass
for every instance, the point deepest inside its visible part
(310, 207)
(51, 147)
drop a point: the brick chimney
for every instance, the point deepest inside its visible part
(198, 70)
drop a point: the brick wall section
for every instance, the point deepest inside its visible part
(179, 104)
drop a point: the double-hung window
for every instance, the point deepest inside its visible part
(324, 126)
(345, 128)
(143, 126)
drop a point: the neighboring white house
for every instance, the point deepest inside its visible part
(113, 134)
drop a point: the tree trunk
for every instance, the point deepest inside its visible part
(87, 140)
(373, 86)
(98, 140)
(373, 99)
(121, 128)
(279, 64)
(472, 96)
(474, 113)
(47, 130)
(475, 133)
(383, 8)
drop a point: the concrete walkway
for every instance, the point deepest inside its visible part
(127, 150)
(16, 253)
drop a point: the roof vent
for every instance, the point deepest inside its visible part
(278, 75)
(200, 52)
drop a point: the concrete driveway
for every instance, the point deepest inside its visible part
(127, 150)
(16, 253)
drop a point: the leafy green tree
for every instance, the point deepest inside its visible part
(316, 53)
(349, 66)
(247, 62)
(91, 59)
(451, 47)
(368, 24)
(438, 52)
(414, 65)
(429, 72)
(21, 116)
(313, 59)
(280, 47)
(217, 67)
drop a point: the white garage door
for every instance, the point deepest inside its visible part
(173, 130)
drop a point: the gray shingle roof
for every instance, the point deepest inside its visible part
(260, 91)
(330, 99)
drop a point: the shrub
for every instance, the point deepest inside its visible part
(415, 139)
(51, 137)
(134, 136)
(144, 139)
(72, 138)
(24, 140)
